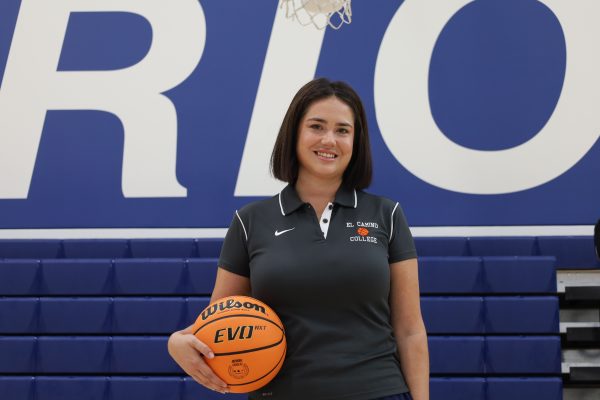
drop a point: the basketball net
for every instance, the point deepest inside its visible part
(319, 13)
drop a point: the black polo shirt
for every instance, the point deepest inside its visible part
(328, 279)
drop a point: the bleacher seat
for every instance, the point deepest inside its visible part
(209, 248)
(522, 314)
(18, 354)
(76, 277)
(457, 354)
(17, 387)
(503, 246)
(523, 354)
(450, 275)
(60, 315)
(453, 315)
(145, 388)
(73, 354)
(19, 315)
(524, 388)
(96, 248)
(490, 314)
(458, 388)
(442, 246)
(150, 276)
(142, 355)
(519, 274)
(570, 252)
(163, 248)
(149, 315)
(19, 277)
(70, 388)
(202, 273)
(30, 248)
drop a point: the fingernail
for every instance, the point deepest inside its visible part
(211, 355)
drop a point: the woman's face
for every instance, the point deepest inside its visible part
(325, 139)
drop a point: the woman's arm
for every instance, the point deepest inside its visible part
(187, 350)
(409, 328)
(230, 284)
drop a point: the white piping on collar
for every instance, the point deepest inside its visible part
(242, 222)
(280, 205)
(392, 219)
(355, 199)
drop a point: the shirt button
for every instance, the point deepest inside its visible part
(325, 220)
(330, 206)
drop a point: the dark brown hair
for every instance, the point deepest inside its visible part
(284, 161)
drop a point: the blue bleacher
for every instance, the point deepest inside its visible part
(96, 248)
(442, 247)
(457, 354)
(74, 315)
(490, 315)
(32, 249)
(163, 248)
(149, 315)
(502, 246)
(69, 388)
(523, 355)
(202, 274)
(570, 252)
(69, 354)
(167, 388)
(19, 315)
(75, 277)
(524, 388)
(522, 314)
(532, 274)
(105, 308)
(462, 315)
(450, 275)
(150, 276)
(457, 388)
(155, 388)
(141, 355)
(19, 277)
(18, 387)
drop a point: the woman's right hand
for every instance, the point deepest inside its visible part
(188, 352)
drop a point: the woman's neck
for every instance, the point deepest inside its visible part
(317, 192)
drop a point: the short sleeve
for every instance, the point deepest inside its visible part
(401, 245)
(234, 253)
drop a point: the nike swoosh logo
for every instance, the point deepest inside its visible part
(277, 233)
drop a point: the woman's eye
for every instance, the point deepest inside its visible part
(343, 130)
(316, 126)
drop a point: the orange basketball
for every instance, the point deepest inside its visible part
(248, 341)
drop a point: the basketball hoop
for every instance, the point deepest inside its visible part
(319, 13)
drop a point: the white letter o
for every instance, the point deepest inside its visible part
(408, 129)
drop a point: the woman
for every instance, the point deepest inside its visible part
(338, 265)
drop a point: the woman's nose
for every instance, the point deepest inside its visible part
(328, 138)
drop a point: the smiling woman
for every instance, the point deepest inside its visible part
(338, 265)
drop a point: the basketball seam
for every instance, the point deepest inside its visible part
(251, 350)
(238, 315)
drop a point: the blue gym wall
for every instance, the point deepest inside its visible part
(496, 80)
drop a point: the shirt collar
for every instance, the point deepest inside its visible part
(289, 201)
